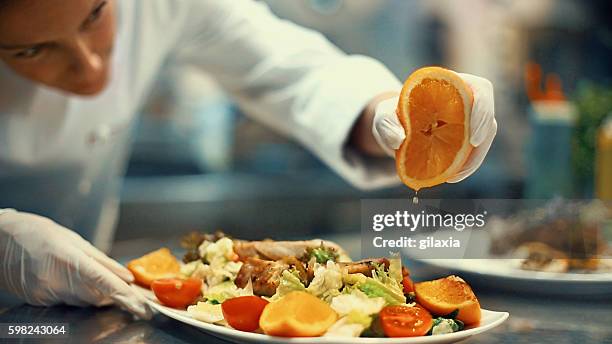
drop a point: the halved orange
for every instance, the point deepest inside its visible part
(154, 265)
(434, 108)
(297, 314)
(447, 295)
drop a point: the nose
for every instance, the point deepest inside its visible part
(87, 62)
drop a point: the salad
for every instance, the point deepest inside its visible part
(303, 289)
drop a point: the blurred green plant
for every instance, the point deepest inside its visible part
(594, 103)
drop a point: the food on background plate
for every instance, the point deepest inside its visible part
(434, 108)
(308, 288)
(561, 236)
(538, 256)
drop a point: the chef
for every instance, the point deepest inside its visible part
(73, 74)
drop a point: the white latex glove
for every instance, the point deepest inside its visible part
(389, 133)
(46, 264)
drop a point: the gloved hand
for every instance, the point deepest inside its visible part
(47, 264)
(389, 133)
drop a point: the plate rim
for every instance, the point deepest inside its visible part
(226, 332)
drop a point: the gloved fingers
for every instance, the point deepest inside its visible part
(47, 296)
(108, 284)
(483, 109)
(53, 295)
(476, 157)
(61, 280)
(137, 306)
(480, 123)
(100, 257)
(93, 296)
(391, 131)
(109, 263)
(387, 129)
(76, 300)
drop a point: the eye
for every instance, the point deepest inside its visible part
(29, 53)
(95, 14)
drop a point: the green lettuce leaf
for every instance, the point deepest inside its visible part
(327, 281)
(322, 254)
(289, 282)
(395, 267)
(392, 294)
(226, 290)
(357, 302)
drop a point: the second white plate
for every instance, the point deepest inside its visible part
(504, 274)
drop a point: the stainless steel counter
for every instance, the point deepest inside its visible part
(532, 319)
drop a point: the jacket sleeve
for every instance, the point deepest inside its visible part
(291, 79)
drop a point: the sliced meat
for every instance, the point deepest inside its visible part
(264, 274)
(310, 270)
(245, 249)
(276, 250)
(365, 266)
(299, 266)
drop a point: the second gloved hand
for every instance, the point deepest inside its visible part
(389, 133)
(46, 264)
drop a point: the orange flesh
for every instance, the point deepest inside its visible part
(437, 122)
(443, 296)
(445, 291)
(155, 265)
(298, 314)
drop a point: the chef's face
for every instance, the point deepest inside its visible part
(64, 44)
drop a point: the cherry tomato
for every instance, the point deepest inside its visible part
(177, 293)
(404, 321)
(243, 312)
(408, 285)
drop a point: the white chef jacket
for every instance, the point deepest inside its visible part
(62, 156)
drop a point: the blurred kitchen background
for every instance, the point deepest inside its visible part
(198, 164)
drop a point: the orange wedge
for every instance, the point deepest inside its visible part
(297, 314)
(155, 265)
(446, 295)
(434, 108)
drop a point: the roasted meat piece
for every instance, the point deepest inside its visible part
(264, 274)
(365, 266)
(266, 249)
(299, 267)
(276, 250)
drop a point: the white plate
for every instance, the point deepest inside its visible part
(489, 320)
(503, 273)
